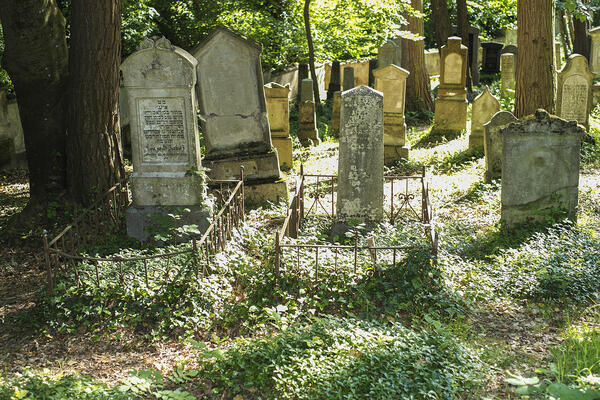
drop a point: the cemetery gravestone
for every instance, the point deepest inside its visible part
(233, 111)
(574, 95)
(389, 53)
(473, 46)
(372, 68)
(493, 144)
(512, 49)
(278, 107)
(432, 62)
(348, 81)
(483, 109)
(558, 56)
(511, 36)
(160, 80)
(540, 169)
(335, 113)
(334, 80)
(491, 57)
(507, 73)
(595, 50)
(391, 81)
(307, 120)
(302, 75)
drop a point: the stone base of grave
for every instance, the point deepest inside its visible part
(476, 140)
(169, 222)
(284, 151)
(450, 115)
(258, 194)
(256, 167)
(155, 189)
(392, 153)
(560, 204)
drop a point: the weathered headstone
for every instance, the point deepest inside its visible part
(540, 169)
(234, 118)
(595, 50)
(360, 165)
(307, 120)
(348, 81)
(473, 54)
(574, 94)
(432, 62)
(507, 73)
(278, 107)
(302, 75)
(160, 80)
(372, 68)
(491, 57)
(335, 113)
(334, 80)
(451, 103)
(493, 144)
(511, 48)
(510, 36)
(391, 81)
(484, 107)
(558, 56)
(389, 53)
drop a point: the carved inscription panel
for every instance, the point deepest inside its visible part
(575, 97)
(453, 69)
(162, 129)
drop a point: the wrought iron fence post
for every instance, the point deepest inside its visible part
(48, 265)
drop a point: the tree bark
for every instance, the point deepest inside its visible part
(581, 38)
(463, 31)
(535, 60)
(418, 94)
(564, 34)
(441, 22)
(94, 143)
(311, 53)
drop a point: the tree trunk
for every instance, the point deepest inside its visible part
(535, 59)
(311, 53)
(581, 38)
(441, 22)
(94, 143)
(418, 95)
(463, 30)
(564, 34)
(37, 61)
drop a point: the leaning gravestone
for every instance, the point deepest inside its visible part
(391, 81)
(484, 107)
(334, 80)
(595, 50)
(574, 95)
(491, 57)
(389, 53)
(507, 73)
(360, 165)
(493, 144)
(307, 120)
(168, 174)
(348, 80)
(540, 169)
(278, 106)
(233, 111)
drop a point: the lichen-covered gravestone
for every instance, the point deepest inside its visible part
(574, 95)
(540, 169)
(391, 81)
(493, 144)
(507, 73)
(167, 172)
(360, 165)
(307, 119)
(484, 107)
(278, 106)
(389, 53)
(451, 103)
(234, 118)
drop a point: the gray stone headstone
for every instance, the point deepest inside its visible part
(493, 144)
(389, 53)
(507, 73)
(540, 169)
(348, 78)
(510, 36)
(574, 94)
(484, 107)
(307, 120)
(335, 84)
(278, 105)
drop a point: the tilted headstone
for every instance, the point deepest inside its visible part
(493, 144)
(389, 53)
(307, 120)
(391, 81)
(507, 73)
(491, 57)
(451, 103)
(574, 94)
(278, 107)
(160, 80)
(348, 81)
(484, 107)
(334, 80)
(335, 113)
(234, 118)
(595, 50)
(540, 169)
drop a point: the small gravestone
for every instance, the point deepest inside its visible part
(334, 80)
(335, 113)
(595, 50)
(234, 118)
(348, 81)
(574, 95)
(540, 169)
(389, 53)
(391, 81)
(451, 103)
(167, 172)
(432, 62)
(510, 36)
(307, 120)
(493, 144)
(491, 57)
(484, 107)
(278, 107)
(302, 75)
(360, 165)
(507, 73)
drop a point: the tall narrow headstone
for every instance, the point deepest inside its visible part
(389, 53)
(234, 118)
(160, 80)
(484, 107)
(335, 113)
(278, 107)
(574, 94)
(302, 75)
(391, 81)
(540, 169)
(491, 57)
(360, 165)
(307, 120)
(493, 144)
(558, 56)
(372, 68)
(348, 81)
(595, 50)
(473, 54)
(507, 73)
(451, 103)
(335, 80)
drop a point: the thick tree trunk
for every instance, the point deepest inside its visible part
(37, 62)
(535, 59)
(94, 143)
(441, 22)
(564, 34)
(418, 95)
(311, 53)
(463, 30)
(581, 38)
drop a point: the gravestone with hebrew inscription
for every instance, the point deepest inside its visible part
(278, 107)
(483, 109)
(389, 53)
(493, 144)
(233, 113)
(507, 74)
(307, 119)
(540, 169)
(574, 94)
(167, 172)
(451, 103)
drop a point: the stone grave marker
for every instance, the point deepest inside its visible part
(389, 53)
(493, 144)
(512, 49)
(540, 169)
(278, 107)
(391, 81)
(595, 50)
(234, 118)
(302, 75)
(557, 54)
(335, 113)
(307, 120)
(348, 81)
(335, 80)
(511, 36)
(507, 73)
(574, 94)
(432, 62)
(473, 54)
(491, 57)
(483, 109)
(160, 80)
(372, 68)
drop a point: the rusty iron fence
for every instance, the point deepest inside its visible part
(107, 215)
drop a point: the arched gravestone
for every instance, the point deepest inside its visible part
(234, 115)
(484, 107)
(389, 53)
(493, 144)
(574, 95)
